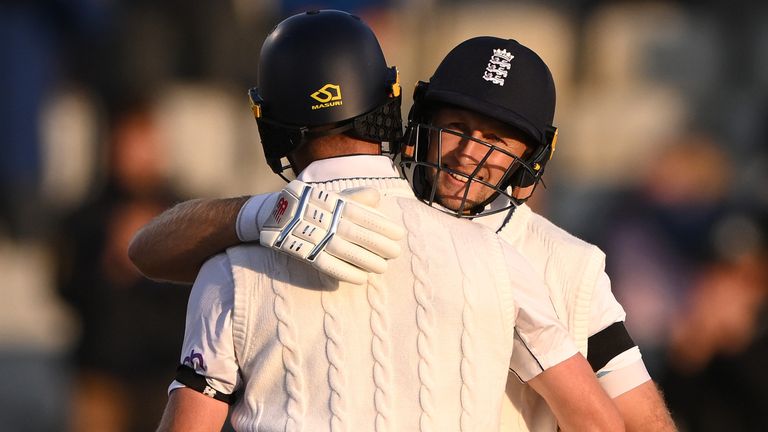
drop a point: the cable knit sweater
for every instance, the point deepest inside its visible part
(424, 347)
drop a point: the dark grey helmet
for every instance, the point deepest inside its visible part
(321, 73)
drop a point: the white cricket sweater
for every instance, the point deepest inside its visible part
(426, 346)
(571, 268)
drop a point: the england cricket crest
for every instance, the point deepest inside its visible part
(498, 66)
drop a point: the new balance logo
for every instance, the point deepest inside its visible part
(279, 211)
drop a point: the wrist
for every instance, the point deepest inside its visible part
(246, 226)
(252, 216)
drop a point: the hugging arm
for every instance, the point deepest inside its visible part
(545, 356)
(643, 409)
(340, 234)
(617, 361)
(174, 245)
(576, 398)
(191, 411)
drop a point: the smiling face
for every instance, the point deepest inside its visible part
(475, 153)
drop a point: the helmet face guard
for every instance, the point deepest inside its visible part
(497, 79)
(422, 164)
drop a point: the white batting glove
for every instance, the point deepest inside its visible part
(340, 234)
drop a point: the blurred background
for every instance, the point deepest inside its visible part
(113, 110)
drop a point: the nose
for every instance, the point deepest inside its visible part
(471, 150)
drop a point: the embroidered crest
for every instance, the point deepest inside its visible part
(498, 66)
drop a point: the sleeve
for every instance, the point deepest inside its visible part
(623, 373)
(604, 309)
(207, 361)
(611, 352)
(541, 340)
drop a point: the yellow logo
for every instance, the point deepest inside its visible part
(329, 95)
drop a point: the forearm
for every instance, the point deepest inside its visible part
(576, 398)
(643, 409)
(190, 411)
(175, 244)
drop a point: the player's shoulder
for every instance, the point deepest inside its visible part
(217, 264)
(434, 217)
(531, 224)
(214, 281)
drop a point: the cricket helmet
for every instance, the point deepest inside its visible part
(497, 78)
(322, 73)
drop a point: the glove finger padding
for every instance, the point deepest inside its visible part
(361, 213)
(364, 195)
(345, 240)
(355, 255)
(369, 240)
(340, 270)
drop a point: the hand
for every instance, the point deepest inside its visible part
(341, 235)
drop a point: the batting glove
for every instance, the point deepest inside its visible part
(341, 235)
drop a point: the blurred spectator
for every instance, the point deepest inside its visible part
(36, 334)
(619, 116)
(716, 378)
(27, 57)
(130, 325)
(659, 236)
(721, 313)
(36, 330)
(33, 37)
(690, 269)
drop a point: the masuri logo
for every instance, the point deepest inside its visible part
(329, 95)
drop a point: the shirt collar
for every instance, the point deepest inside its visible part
(357, 166)
(496, 220)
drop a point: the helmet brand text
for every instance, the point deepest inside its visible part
(328, 96)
